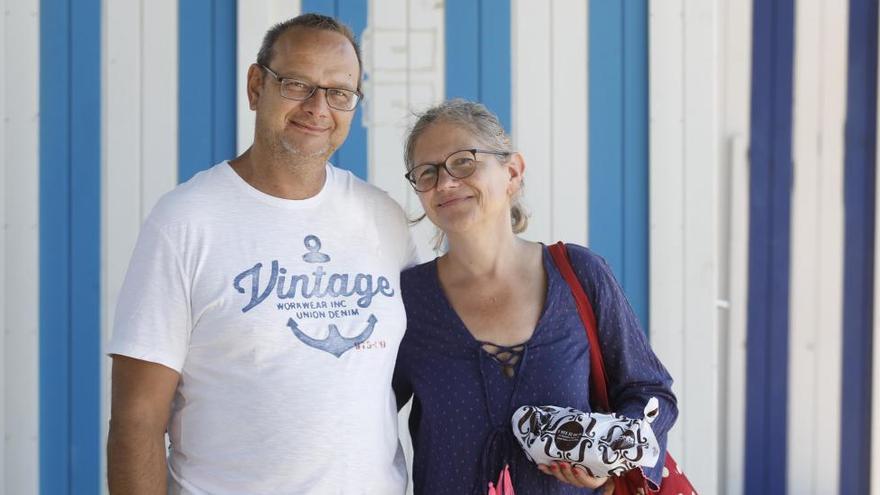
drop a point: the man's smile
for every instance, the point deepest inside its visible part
(308, 128)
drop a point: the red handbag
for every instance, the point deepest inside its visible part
(633, 482)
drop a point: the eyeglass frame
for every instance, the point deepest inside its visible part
(438, 166)
(315, 88)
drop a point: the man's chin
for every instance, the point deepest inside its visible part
(306, 153)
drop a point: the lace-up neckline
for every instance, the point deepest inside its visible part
(506, 356)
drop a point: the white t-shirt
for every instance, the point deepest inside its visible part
(283, 318)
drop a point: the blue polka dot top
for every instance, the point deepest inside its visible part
(463, 399)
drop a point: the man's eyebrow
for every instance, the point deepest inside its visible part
(293, 75)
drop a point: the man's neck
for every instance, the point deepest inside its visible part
(281, 177)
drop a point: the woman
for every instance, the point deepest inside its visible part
(492, 325)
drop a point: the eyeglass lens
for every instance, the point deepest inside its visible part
(459, 165)
(340, 99)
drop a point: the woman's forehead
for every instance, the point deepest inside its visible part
(442, 138)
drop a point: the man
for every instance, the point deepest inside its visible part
(261, 314)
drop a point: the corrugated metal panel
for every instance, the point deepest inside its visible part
(19, 247)
(70, 265)
(816, 247)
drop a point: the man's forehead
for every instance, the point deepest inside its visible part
(299, 41)
(302, 49)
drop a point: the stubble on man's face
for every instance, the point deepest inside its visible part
(294, 152)
(286, 150)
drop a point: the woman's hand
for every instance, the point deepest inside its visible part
(576, 476)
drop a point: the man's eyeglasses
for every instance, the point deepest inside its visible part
(296, 89)
(459, 165)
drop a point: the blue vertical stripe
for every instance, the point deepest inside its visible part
(70, 229)
(606, 59)
(769, 239)
(55, 155)
(85, 249)
(195, 103)
(858, 279)
(618, 204)
(462, 21)
(478, 54)
(352, 155)
(224, 31)
(494, 34)
(325, 7)
(636, 250)
(207, 89)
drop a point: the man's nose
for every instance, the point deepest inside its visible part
(317, 103)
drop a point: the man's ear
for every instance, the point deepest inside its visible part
(255, 77)
(516, 168)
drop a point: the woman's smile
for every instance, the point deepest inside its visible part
(457, 200)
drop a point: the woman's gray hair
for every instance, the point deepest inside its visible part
(484, 124)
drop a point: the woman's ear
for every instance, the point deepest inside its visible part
(516, 168)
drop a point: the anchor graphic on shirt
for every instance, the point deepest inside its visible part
(334, 343)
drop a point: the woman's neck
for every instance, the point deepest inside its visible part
(487, 255)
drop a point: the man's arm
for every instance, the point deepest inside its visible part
(140, 407)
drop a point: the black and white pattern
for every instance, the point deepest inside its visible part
(603, 444)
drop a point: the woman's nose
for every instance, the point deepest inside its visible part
(444, 179)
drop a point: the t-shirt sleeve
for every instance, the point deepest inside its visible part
(634, 372)
(152, 321)
(401, 233)
(411, 256)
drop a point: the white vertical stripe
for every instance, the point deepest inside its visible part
(689, 220)
(552, 138)
(733, 247)
(19, 246)
(734, 327)
(404, 58)
(160, 103)
(703, 80)
(121, 144)
(531, 87)
(569, 114)
(3, 119)
(815, 307)
(666, 117)
(253, 20)
(139, 140)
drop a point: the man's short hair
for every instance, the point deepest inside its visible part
(311, 21)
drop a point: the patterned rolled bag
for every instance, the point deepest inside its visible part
(603, 444)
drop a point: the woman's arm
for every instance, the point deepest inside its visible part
(634, 372)
(402, 388)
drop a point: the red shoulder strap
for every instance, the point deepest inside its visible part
(598, 381)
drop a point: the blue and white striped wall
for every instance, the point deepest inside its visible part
(721, 155)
